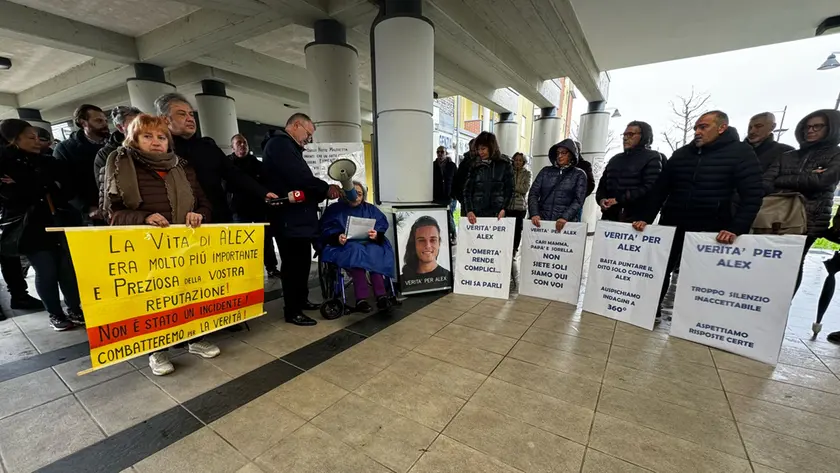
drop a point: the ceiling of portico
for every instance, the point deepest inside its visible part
(625, 34)
(33, 64)
(128, 17)
(287, 44)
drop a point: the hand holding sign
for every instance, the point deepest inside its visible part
(726, 237)
(559, 224)
(157, 220)
(536, 220)
(639, 225)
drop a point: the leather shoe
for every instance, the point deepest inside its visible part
(311, 306)
(300, 319)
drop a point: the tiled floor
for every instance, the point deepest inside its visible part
(461, 385)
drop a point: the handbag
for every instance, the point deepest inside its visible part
(782, 213)
(11, 233)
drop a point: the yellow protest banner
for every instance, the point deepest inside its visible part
(146, 288)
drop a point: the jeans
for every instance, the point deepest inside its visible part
(12, 270)
(673, 262)
(54, 269)
(360, 285)
(295, 261)
(517, 233)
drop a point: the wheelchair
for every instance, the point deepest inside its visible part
(334, 283)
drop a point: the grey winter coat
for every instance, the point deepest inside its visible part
(558, 193)
(794, 172)
(521, 184)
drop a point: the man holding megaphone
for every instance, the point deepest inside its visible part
(296, 224)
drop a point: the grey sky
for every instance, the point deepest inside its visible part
(741, 83)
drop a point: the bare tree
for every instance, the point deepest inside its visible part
(686, 110)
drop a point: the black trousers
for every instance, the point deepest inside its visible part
(12, 271)
(295, 261)
(809, 241)
(517, 232)
(673, 262)
(269, 257)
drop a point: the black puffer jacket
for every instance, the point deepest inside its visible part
(558, 192)
(489, 186)
(75, 157)
(768, 151)
(696, 188)
(628, 178)
(114, 141)
(794, 171)
(214, 171)
(35, 177)
(586, 167)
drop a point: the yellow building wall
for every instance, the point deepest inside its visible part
(526, 114)
(369, 171)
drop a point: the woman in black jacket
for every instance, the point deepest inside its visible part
(489, 187)
(32, 201)
(813, 171)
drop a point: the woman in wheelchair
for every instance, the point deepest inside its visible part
(372, 254)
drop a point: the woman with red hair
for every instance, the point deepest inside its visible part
(144, 182)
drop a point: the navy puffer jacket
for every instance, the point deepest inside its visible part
(558, 192)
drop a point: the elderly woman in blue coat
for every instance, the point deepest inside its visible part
(559, 190)
(373, 254)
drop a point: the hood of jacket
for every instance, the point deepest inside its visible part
(832, 138)
(278, 133)
(569, 144)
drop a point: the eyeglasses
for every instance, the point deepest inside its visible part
(815, 127)
(309, 134)
(630, 134)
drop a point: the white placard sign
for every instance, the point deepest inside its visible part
(737, 297)
(319, 156)
(552, 261)
(626, 271)
(483, 257)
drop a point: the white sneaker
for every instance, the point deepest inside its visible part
(204, 349)
(160, 364)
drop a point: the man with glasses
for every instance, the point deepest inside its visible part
(813, 171)
(629, 176)
(295, 225)
(212, 167)
(696, 189)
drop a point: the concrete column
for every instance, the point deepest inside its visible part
(217, 114)
(547, 132)
(333, 67)
(507, 134)
(34, 118)
(148, 84)
(402, 52)
(594, 126)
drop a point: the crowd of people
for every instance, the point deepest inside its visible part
(156, 170)
(715, 183)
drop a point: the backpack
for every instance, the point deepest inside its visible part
(782, 213)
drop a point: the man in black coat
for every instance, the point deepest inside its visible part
(121, 117)
(629, 176)
(696, 189)
(586, 167)
(295, 224)
(760, 137)
(211, 165)
(443, 173)
(246, 208)
(75, 157)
